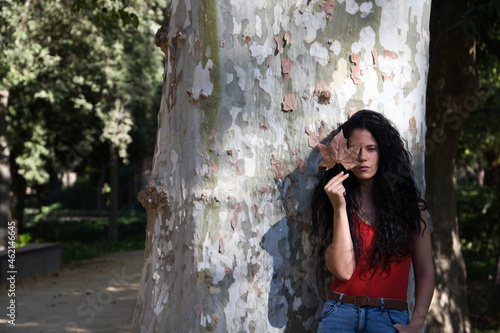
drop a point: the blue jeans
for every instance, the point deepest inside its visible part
(338, 317)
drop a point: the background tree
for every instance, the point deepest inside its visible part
(5, 177)
(448, 103)
(4, 171)
(478, 163)
(75, 90)
(462, 131)
(249, 89)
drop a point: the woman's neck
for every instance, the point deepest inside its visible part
(365, 199)
(366, 187)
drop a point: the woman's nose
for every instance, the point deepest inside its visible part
(361, 155)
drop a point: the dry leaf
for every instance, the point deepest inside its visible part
(338, 152)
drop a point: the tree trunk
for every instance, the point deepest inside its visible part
(450, 99)
(113, 201)
(100, 185)
(249, 89)
(494, 301)
(4, 171)
(54, 187)
(142, 168)
(19, 186)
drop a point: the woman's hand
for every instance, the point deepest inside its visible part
(408, 328)
(336, 190)
(339, 254)
(424, 278)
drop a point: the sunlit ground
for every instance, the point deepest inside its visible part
(96, 295)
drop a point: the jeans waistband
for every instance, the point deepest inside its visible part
(363, 300)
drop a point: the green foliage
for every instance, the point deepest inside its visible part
(479, 213)
(478, 158)
(478, 216)
(80, 196)
(48, 212)
(109, 13)
(73, 84)
(478, 167)
(61, 212)
(87, 239)
(24, 239)
(479, 18)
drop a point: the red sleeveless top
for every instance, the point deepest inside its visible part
(380, 285)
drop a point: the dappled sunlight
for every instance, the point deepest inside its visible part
(96, 295)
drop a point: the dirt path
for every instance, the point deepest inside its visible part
(96, 295)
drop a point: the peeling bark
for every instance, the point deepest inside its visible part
(356, 71)
(286, 67)
(323, 94)
(153, 197)
(290, 102)
(328, 6)
(390, 54)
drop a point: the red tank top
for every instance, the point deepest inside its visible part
(380, 285)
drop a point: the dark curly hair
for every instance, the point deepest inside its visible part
(395, 195)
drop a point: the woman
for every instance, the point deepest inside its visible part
(371, 223)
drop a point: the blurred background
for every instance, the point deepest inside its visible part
(81, 91)
(80, 88)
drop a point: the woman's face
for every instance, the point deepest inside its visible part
(367, 155)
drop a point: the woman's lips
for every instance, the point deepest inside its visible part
(363, 168)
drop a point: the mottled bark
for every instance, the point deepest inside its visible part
(4, 171)
(450, 99)
(249, 89)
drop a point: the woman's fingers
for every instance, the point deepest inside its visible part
(338, 178)
(336, 181)
(336, 190)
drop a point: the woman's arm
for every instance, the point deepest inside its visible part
(339, 255)
(424, 279)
